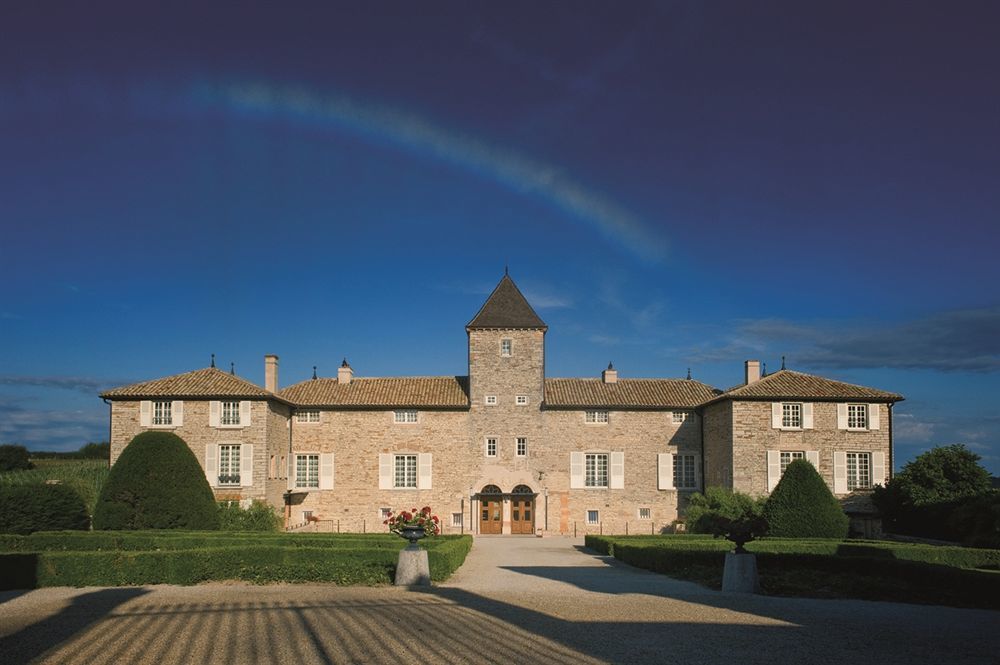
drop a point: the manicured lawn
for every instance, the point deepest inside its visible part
(872, 570)
(77, 558)
(86, 476)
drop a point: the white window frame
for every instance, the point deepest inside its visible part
(593, 470)
(308, 484)
(406, 458)
(491, 446)
(597, 417)
(644, 513)
(521, 446)
(506, 347)
(405, 416)
(593, 517)
(859, 471)
(857, 413)
(457, 520)
(786, 457)
(685, 469)
(162, 413)
(229, 413)
(383, 513)
(521, 400)
(226, 452)
(791, 415)
(491, 400)
(307, 416)
(679, 417)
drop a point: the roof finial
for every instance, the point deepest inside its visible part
(213, 360)
(763, 369)
(782, 362)
(506, 270)
(689, 374)
(232, 368)
(610, 366)
(314, 372)
(344, 364)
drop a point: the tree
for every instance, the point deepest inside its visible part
(156, 484)
(705, 510)
(802, 506)
(14, 458)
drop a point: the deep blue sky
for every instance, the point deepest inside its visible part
(673, 185)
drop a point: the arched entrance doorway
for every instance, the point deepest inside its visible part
(491, 510)
(522, 510)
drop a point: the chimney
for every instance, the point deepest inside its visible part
(344, 373)
(751, 371)
(271, 373)
(610, 375)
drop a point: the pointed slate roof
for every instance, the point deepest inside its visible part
(788, 384)
(208, 382)
(506, 308)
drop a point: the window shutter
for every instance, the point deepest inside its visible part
(665, 471)
(326, 471)
(212, 464)
(842, 417)
(245, 407)
(385, 471)
(878, 469)
(812, 456)
(617, 464)
(177, 415)
(873, 416)
(576, 463)
(424, 471)
(145, 413)
(840, 470)
(807, 415)
(213, 413)
(773, 469)
(776, 415)
(246, 465)
(291, 472)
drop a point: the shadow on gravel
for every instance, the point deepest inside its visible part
(85, 609)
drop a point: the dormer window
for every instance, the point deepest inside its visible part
(405, 416)
(230, 413)
(491, 400)
(506, 345)
(596, 417)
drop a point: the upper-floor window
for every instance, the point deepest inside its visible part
(229, 464)
(684, 472)
(859, 471)
(522, 446)
(230, 413)
(307, 470)
(522, 400)
(491, 446)
(491, 400)
(404, 471)
(596, 416)
(307, 416)
(595, 470)
(791, 414)
(506, 346)
(163, 413)
(405, 416)
(788, 456)
(679, 417)
(857, 416)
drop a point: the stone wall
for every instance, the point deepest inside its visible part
(718, 432)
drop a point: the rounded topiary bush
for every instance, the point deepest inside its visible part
(28, 508)
(156, 484)
(802, 506)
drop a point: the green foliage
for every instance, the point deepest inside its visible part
(156, 484)
(28, 508)
(942, 474)
(92, 450)
(260, 516)
(85, 476)
(722, 512)
(94, 559)
(802, 506)
(14, 458)
(422, 518)
(976, 520)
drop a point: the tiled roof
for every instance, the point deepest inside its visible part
(506, 308)
(627, 393)
(208, 382)
(413, 392)
(786, 384)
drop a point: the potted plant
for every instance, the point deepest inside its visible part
(413, 524)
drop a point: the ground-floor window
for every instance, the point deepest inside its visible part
(456, 520)
(684, 472)
(405, 471)
(788, 456)
(307, 470)
(596, 470)
(859, 471)
(593, 517)
(229, 464)
(644, 513)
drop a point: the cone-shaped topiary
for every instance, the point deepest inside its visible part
(156, 484)
(802, 506)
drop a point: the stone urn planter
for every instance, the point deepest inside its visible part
(413, 534)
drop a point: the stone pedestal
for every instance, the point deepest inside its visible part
(740, 573)
(412, 568)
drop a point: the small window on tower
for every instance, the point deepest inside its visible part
(505, 347)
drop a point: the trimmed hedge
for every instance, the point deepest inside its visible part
(802, 506)
(260, 560)
(29, 508)
(157, 483)
(14, 458)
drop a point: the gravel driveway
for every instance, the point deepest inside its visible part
(516, 600)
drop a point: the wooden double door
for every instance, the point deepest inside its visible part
(492, 515)
(522, 514)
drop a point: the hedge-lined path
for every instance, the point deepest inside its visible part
(516, 600)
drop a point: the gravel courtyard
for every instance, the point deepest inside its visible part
(516, 600)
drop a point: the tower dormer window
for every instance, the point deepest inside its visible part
(506, 345)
